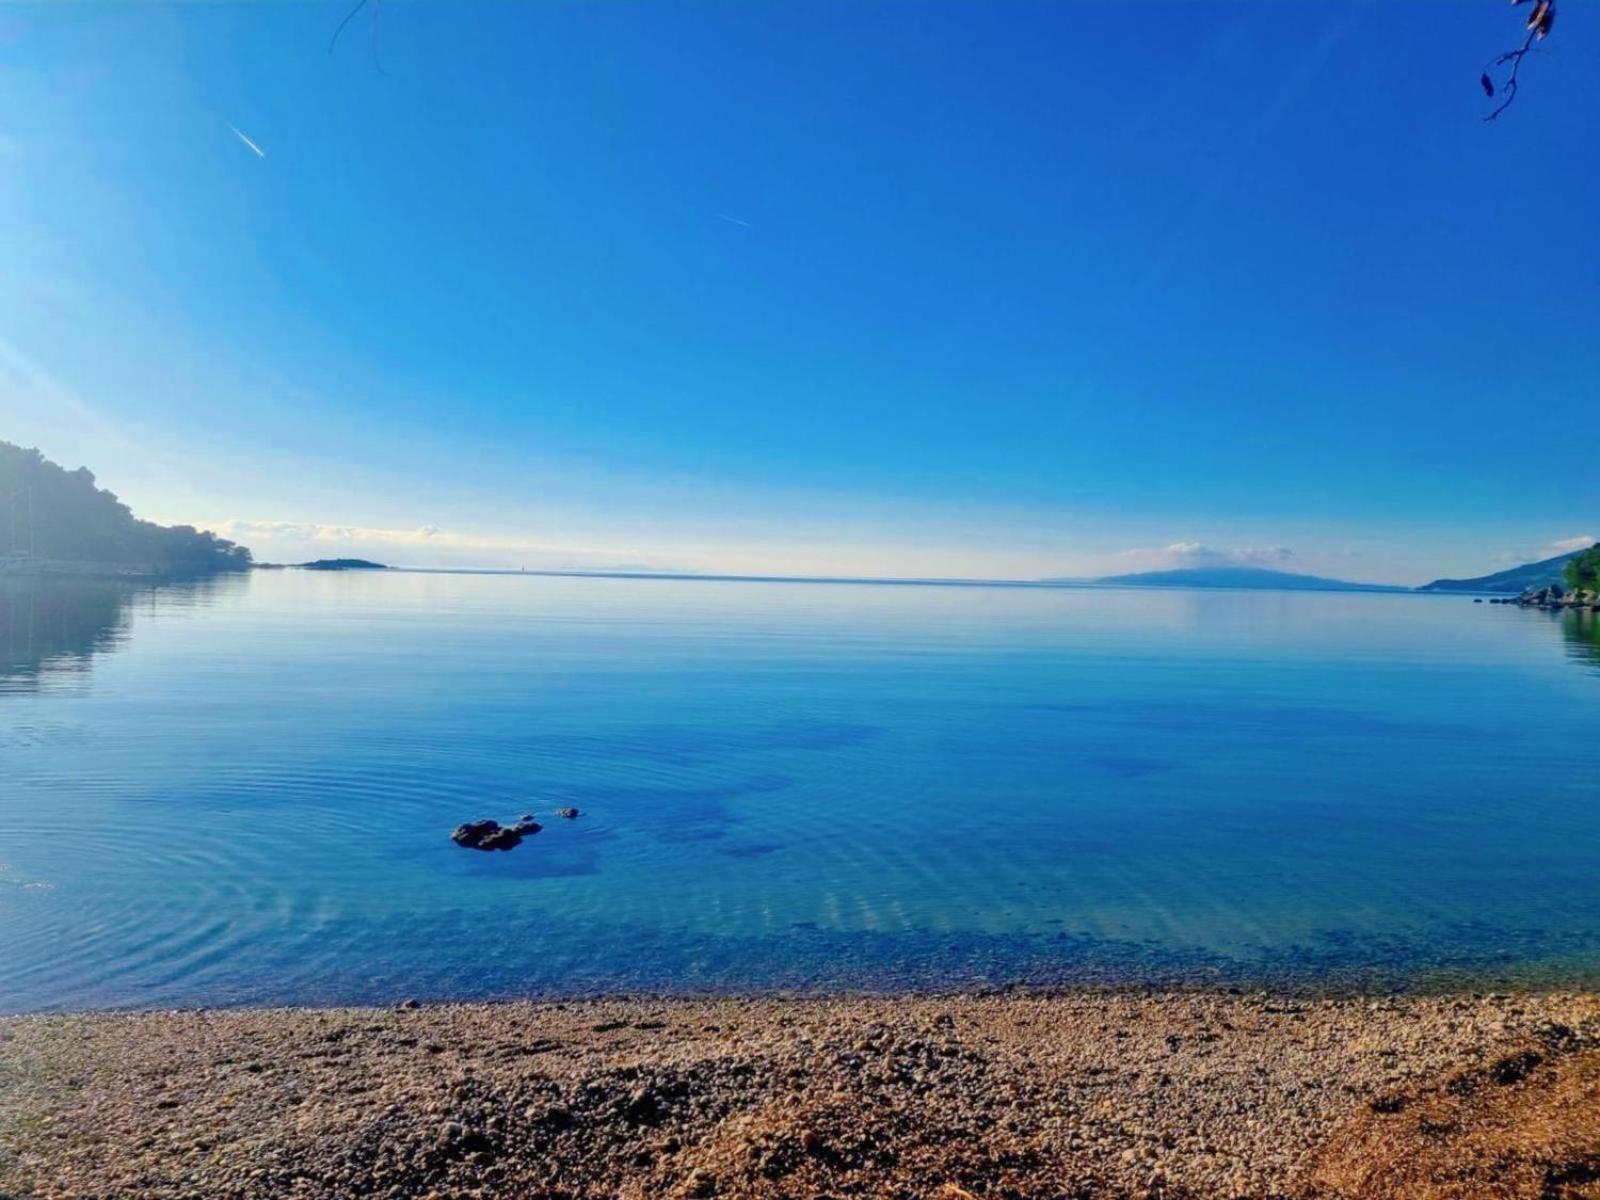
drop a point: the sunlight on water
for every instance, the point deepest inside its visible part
(242, 790)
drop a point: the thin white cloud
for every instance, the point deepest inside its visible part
(423, 545)
(313, 531)
(735, 221)
(1567, 545)
(1198, 554)
(255, 149)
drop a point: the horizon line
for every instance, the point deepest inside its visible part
(1104, 582)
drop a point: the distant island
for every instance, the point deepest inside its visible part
(1529, 576)
(56, 521)
(342, 564)
(1255, 578)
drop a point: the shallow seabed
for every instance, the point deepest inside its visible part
(241, 791)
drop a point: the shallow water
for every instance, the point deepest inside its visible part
(242, 790)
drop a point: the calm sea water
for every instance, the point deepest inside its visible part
(242, 791)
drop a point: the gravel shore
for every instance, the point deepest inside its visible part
(1083, 1094)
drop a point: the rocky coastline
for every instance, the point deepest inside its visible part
(1554, 598)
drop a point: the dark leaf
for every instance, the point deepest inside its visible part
(1547, 20)
(1488, 84)
(1538, 14)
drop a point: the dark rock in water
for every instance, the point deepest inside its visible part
(1478, 601)
(503, 839)
(473, 832)
(526, 827)
(1552, 597)
(488, 835)
(527, 817)
(570, 814)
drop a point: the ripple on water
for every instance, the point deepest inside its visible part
(787, 805)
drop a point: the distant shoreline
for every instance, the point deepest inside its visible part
(51, 569)
(904, 581)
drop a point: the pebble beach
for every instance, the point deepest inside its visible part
(1078, 1094)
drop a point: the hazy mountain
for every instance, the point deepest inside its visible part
(1515, 580)
(1243, 577)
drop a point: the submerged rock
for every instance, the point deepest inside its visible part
(473, 832)
(490, 835)
(570, 814)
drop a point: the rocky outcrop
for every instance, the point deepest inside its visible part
(491, 835)
(1556, 597)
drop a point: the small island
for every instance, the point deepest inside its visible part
(342, 564)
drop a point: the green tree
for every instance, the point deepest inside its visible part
(52, 513)
(1582, 572)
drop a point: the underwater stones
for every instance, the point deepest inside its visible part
(490, 835)
(502, 839)
(569, 814)
(473, 833)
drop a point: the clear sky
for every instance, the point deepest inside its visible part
(823, 286)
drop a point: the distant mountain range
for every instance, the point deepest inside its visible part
(1516, 579)
(1243, 577)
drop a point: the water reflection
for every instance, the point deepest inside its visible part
(52, 628)
(781, 786)
(1582, 633)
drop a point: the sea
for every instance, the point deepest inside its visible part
(241, 790)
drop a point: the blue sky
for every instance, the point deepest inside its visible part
(906, 288)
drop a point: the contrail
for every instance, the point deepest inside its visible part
(736, 221)
(255, 149)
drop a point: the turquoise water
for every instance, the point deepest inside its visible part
(242, 791)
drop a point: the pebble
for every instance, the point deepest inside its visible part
(742, 1098)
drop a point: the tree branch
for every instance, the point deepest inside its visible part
(348, 17)
(1508, 90)
(1539, 25)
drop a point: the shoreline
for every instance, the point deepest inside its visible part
(1101, 1091)
(1117, 975)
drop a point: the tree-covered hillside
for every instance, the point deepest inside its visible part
(1516, 579)
(59, 515)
